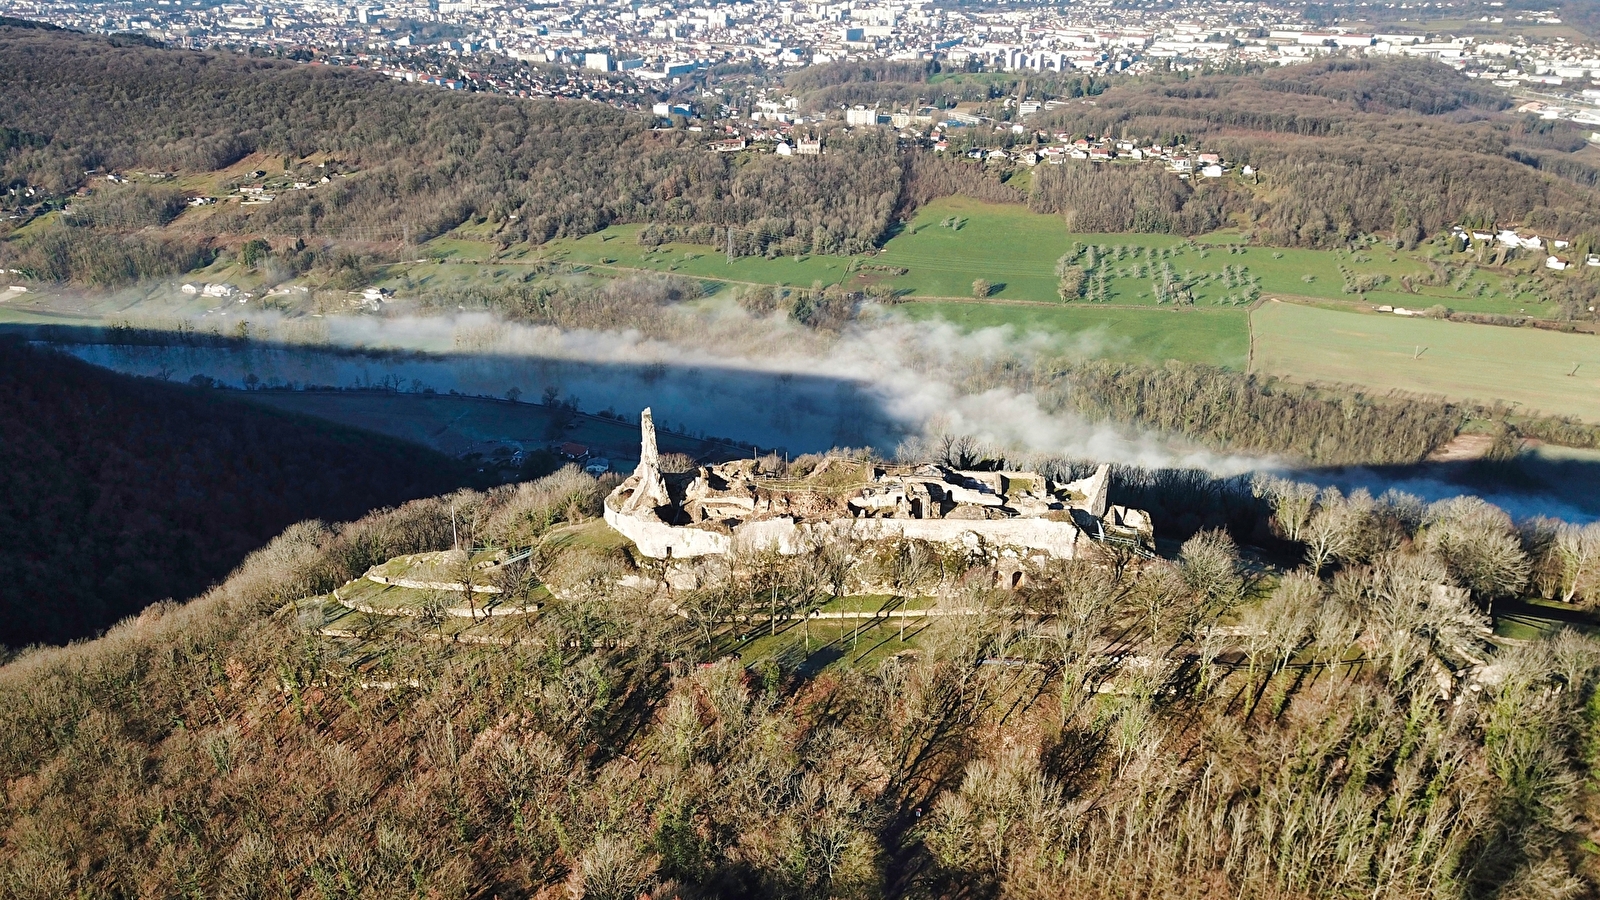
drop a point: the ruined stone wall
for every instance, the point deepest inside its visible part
(1058, 539)
(631, 510)
(654, 537)
(780, 533)
(658, 539)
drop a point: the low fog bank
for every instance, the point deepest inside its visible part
(883, 383)
(765, 381)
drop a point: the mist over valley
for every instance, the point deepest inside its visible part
(866, 451)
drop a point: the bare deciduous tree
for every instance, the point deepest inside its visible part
(1479, 545)
(1292, 504)
(1577, 549)
(1209, 563)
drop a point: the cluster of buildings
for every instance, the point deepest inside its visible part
(621, 47)
(945, 131)
(1558, 253)
(682, 59)
(1180, 159)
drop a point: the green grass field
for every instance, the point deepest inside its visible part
(1014, 249)
(1218, 337)
(618, 247)
(1325, 334)
(955, 240)
(1385, 353)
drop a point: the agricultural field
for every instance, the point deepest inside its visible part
(1549, 372)
(618, 248)
(1218, 337)
(954, 241)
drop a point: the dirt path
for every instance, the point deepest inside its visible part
(1462, 448)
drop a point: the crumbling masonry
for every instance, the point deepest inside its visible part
(737, 505)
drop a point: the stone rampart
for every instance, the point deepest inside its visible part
(780, 533)
(1057, 539)
(658, 539)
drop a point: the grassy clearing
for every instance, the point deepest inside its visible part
(813, 645)
(1384, 353)
(459, 247)
(451, 266)
(1014, 249)
(619, 247)
(955, 240)
(1217, 337)
(13, 313)
(593, 534)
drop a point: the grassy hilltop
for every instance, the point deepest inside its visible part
(1306, 695)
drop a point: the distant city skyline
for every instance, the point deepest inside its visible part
(625, 49)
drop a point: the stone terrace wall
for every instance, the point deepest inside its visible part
(660, 540)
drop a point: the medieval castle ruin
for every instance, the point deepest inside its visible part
(755, 505)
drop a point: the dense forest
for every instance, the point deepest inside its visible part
(880, 82)
(118, 492)
(1234, 411)
(1578, 13)
(1352, 732)
(425, 160)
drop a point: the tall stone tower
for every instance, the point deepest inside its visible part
(649, 491)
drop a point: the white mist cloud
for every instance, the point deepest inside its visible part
(720, 371)
(913, 371)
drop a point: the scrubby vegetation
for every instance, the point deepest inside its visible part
(1235, 411)
(103, 258)
(1328, 714)
(1094, 735)
(117, 492)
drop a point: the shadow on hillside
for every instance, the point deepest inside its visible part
(789, 412)
(118, 492)
(1526, 485)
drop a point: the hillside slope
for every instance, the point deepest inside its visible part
(402, 159)
(118, 492)
(237, 746)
